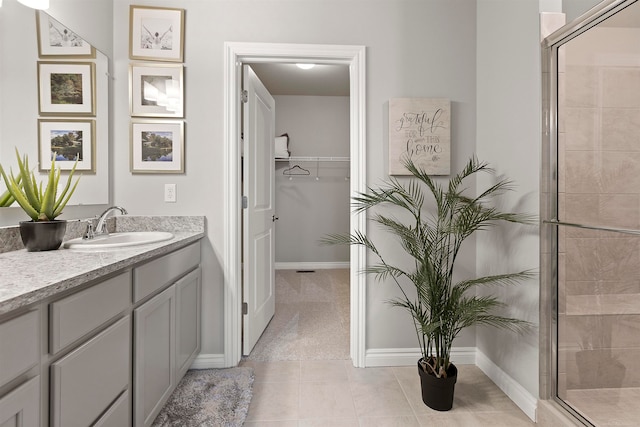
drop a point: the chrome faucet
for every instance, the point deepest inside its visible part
(100, 226)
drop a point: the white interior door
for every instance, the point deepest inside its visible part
(259, 214)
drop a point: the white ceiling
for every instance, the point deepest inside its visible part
(288, 79)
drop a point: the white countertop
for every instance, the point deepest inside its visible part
(28, 277)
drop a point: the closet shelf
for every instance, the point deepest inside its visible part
(313, 159)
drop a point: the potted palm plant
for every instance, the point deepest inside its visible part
(43, 205)
(439, 306)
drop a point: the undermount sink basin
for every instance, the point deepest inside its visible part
(119, 240)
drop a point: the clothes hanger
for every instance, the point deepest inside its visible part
(296, 170)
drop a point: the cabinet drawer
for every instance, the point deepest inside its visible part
(118, 415)
(163, 271)
(19, 348)
(80, 313)
(21, 407)
(87, 380)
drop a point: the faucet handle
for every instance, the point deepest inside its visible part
(89, 233)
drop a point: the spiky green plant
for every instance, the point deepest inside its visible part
(441, 308)
(39, 204)
(6, 199)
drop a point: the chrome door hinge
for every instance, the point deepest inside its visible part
(244, 96)
(245, 308)
(245, 202)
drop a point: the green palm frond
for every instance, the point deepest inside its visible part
(432, 239)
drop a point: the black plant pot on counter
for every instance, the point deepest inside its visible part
(42, 235)
(437, 393)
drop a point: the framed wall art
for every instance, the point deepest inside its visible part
(57, 41)
(156, 90)
(420, 130)
(156, 34)
(157, 146)
(66, 88)
(68, 141)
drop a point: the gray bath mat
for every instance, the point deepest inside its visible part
(209, 397)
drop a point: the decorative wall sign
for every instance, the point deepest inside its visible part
(420, 130)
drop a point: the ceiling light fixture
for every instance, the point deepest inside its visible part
(35, 4)
(306, 66)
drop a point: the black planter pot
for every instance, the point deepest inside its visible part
(437, 393)
(42, 235)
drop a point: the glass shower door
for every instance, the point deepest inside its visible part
(598, 218)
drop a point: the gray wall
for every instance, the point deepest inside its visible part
(310, 208)
(420, 48)
(508, 137)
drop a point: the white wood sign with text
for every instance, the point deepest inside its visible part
(420, 130)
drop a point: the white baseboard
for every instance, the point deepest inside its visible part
(410, 356)
(310, 265)
(208, 361)
(518, 394)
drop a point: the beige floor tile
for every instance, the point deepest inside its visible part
(455, 418)
(329, 422)
(369, 375)
(274, 401)
(277, 371)
(323, 370)
(377, 399)
(292, 423)
(324, 399)
(406, 421)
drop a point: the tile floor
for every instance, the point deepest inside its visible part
(332, 393)
(291, 388)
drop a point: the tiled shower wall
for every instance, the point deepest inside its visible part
(599, 185)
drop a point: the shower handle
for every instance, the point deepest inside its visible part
(592, 227)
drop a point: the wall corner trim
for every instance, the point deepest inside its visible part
(527, 402)
(376, 357)
(209, 361)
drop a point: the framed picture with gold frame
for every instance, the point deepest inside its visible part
(156, 90)
(57, 41)
(156, 33)
(68, 141)
(66, 88)
(157, 146)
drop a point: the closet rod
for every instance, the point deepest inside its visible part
(313, 159)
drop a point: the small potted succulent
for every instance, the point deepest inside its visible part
(43, 205)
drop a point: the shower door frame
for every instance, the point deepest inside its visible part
(549, 196)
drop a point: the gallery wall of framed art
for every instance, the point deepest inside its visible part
(156, 90)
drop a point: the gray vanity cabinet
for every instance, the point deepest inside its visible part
(108, 353)
(154, 373)
(166, 329)
(188, 295)
(19, 356)
(85, 382)
(21, 407)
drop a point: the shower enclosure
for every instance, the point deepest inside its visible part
(591, 213)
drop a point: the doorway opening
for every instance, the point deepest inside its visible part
(310, 317)
(237, 54)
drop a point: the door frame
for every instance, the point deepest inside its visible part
(235, 54)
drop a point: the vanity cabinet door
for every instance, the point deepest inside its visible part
(21, 407)
(86, 382)
(154, 356)
(188, 292)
